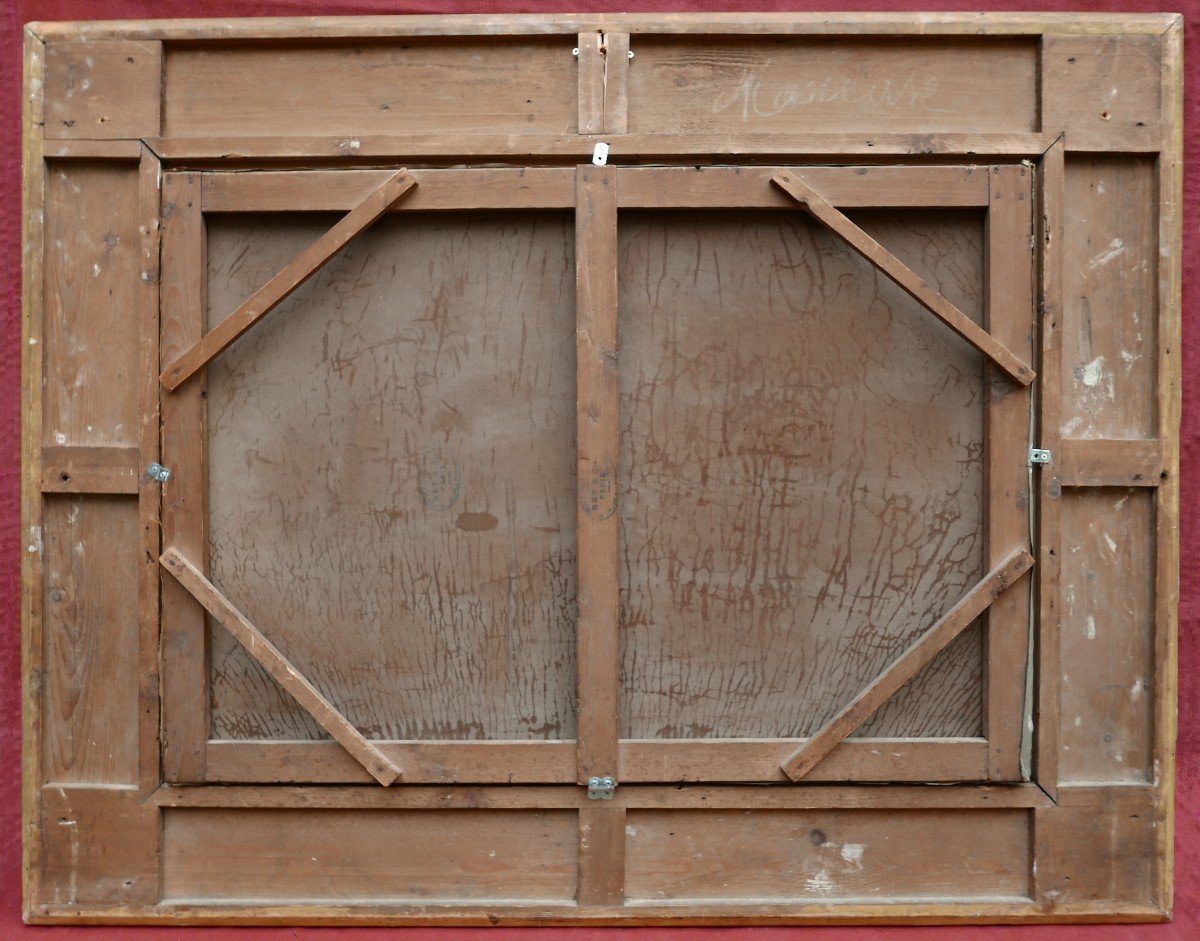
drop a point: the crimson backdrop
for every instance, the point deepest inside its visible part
(18, 12)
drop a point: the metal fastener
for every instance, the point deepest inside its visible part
(157, 472)
(1039, 456)
(601, 788)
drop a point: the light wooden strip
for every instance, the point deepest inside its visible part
(598, 435)
(68, 469)
(487, 24)
(1049, 517)
(905, 277)
(523, 147)
(94, 149)
(149, 491)
(616, 86)
(591, 83)
(280, 668)
(847, 187)
(908, 664)
(1010, 320)
(1109, 462)
(298, 271)
(184, 498)
(554, 762)
(601, 854)
(723, 796)
(436, 190)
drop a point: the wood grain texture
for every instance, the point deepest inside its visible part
(808, 856)
(430, 86)
(780, 490)
(184, 497)
(905, 277)
(103, 89)
(295, 273)
(92, 274)
(591, 83)
(917, 656)
(776, 85)
(598, 436)
(411, 412)
(1107, 641)
(89, 470)
(362, 855)
(1103, 91)
(281, 670)
(1011, 314)
(90, 641)
(1110, 312)
(601, 854)
(1111, 462)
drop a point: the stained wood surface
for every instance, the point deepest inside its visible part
(1109, 297)
(411, 411)
(432, 86)
(366, 855)
(791, 509)
(825, 856)
(105, 89)
(781, 85)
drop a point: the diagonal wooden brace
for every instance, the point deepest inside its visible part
(912, 283)
(908, 664)
(297, 271)
(381, 768)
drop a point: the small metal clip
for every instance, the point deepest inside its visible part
(157, 472)
(600, 154)
(601, 789)
(575, 52)
(1039, 456)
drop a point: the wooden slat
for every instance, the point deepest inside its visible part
(725, 796)
(1049, 516)
(601, 854)
(1109, 462)
(298, 271)
(847, 187)
(616, 83)
(591, 83)
(522, 147)
(908, 664)
(489, 24)
(108, 88)
(436, 190)
(1007, 415)
(598, 435)
(280, 668)
(149, 490)
(94, 149)
(68, 469)
(905, 277)
(184, 662)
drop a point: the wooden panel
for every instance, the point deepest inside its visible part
(92, 276)
(425, 86)
(1109, 298)
(89, 470)
(1110, 462)
(103, 90)
(410, 411)
(100, 848)
(274, 855)
(832, 855)
(784, 85)
(1097, 845)
(1107, 635)
(90, 641)
(1103, 91)
(798, 492)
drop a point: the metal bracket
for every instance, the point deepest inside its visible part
(157, 472)
(600, 154)
(1039, 456)
(601, 789)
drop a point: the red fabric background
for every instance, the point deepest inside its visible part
(18, 12)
